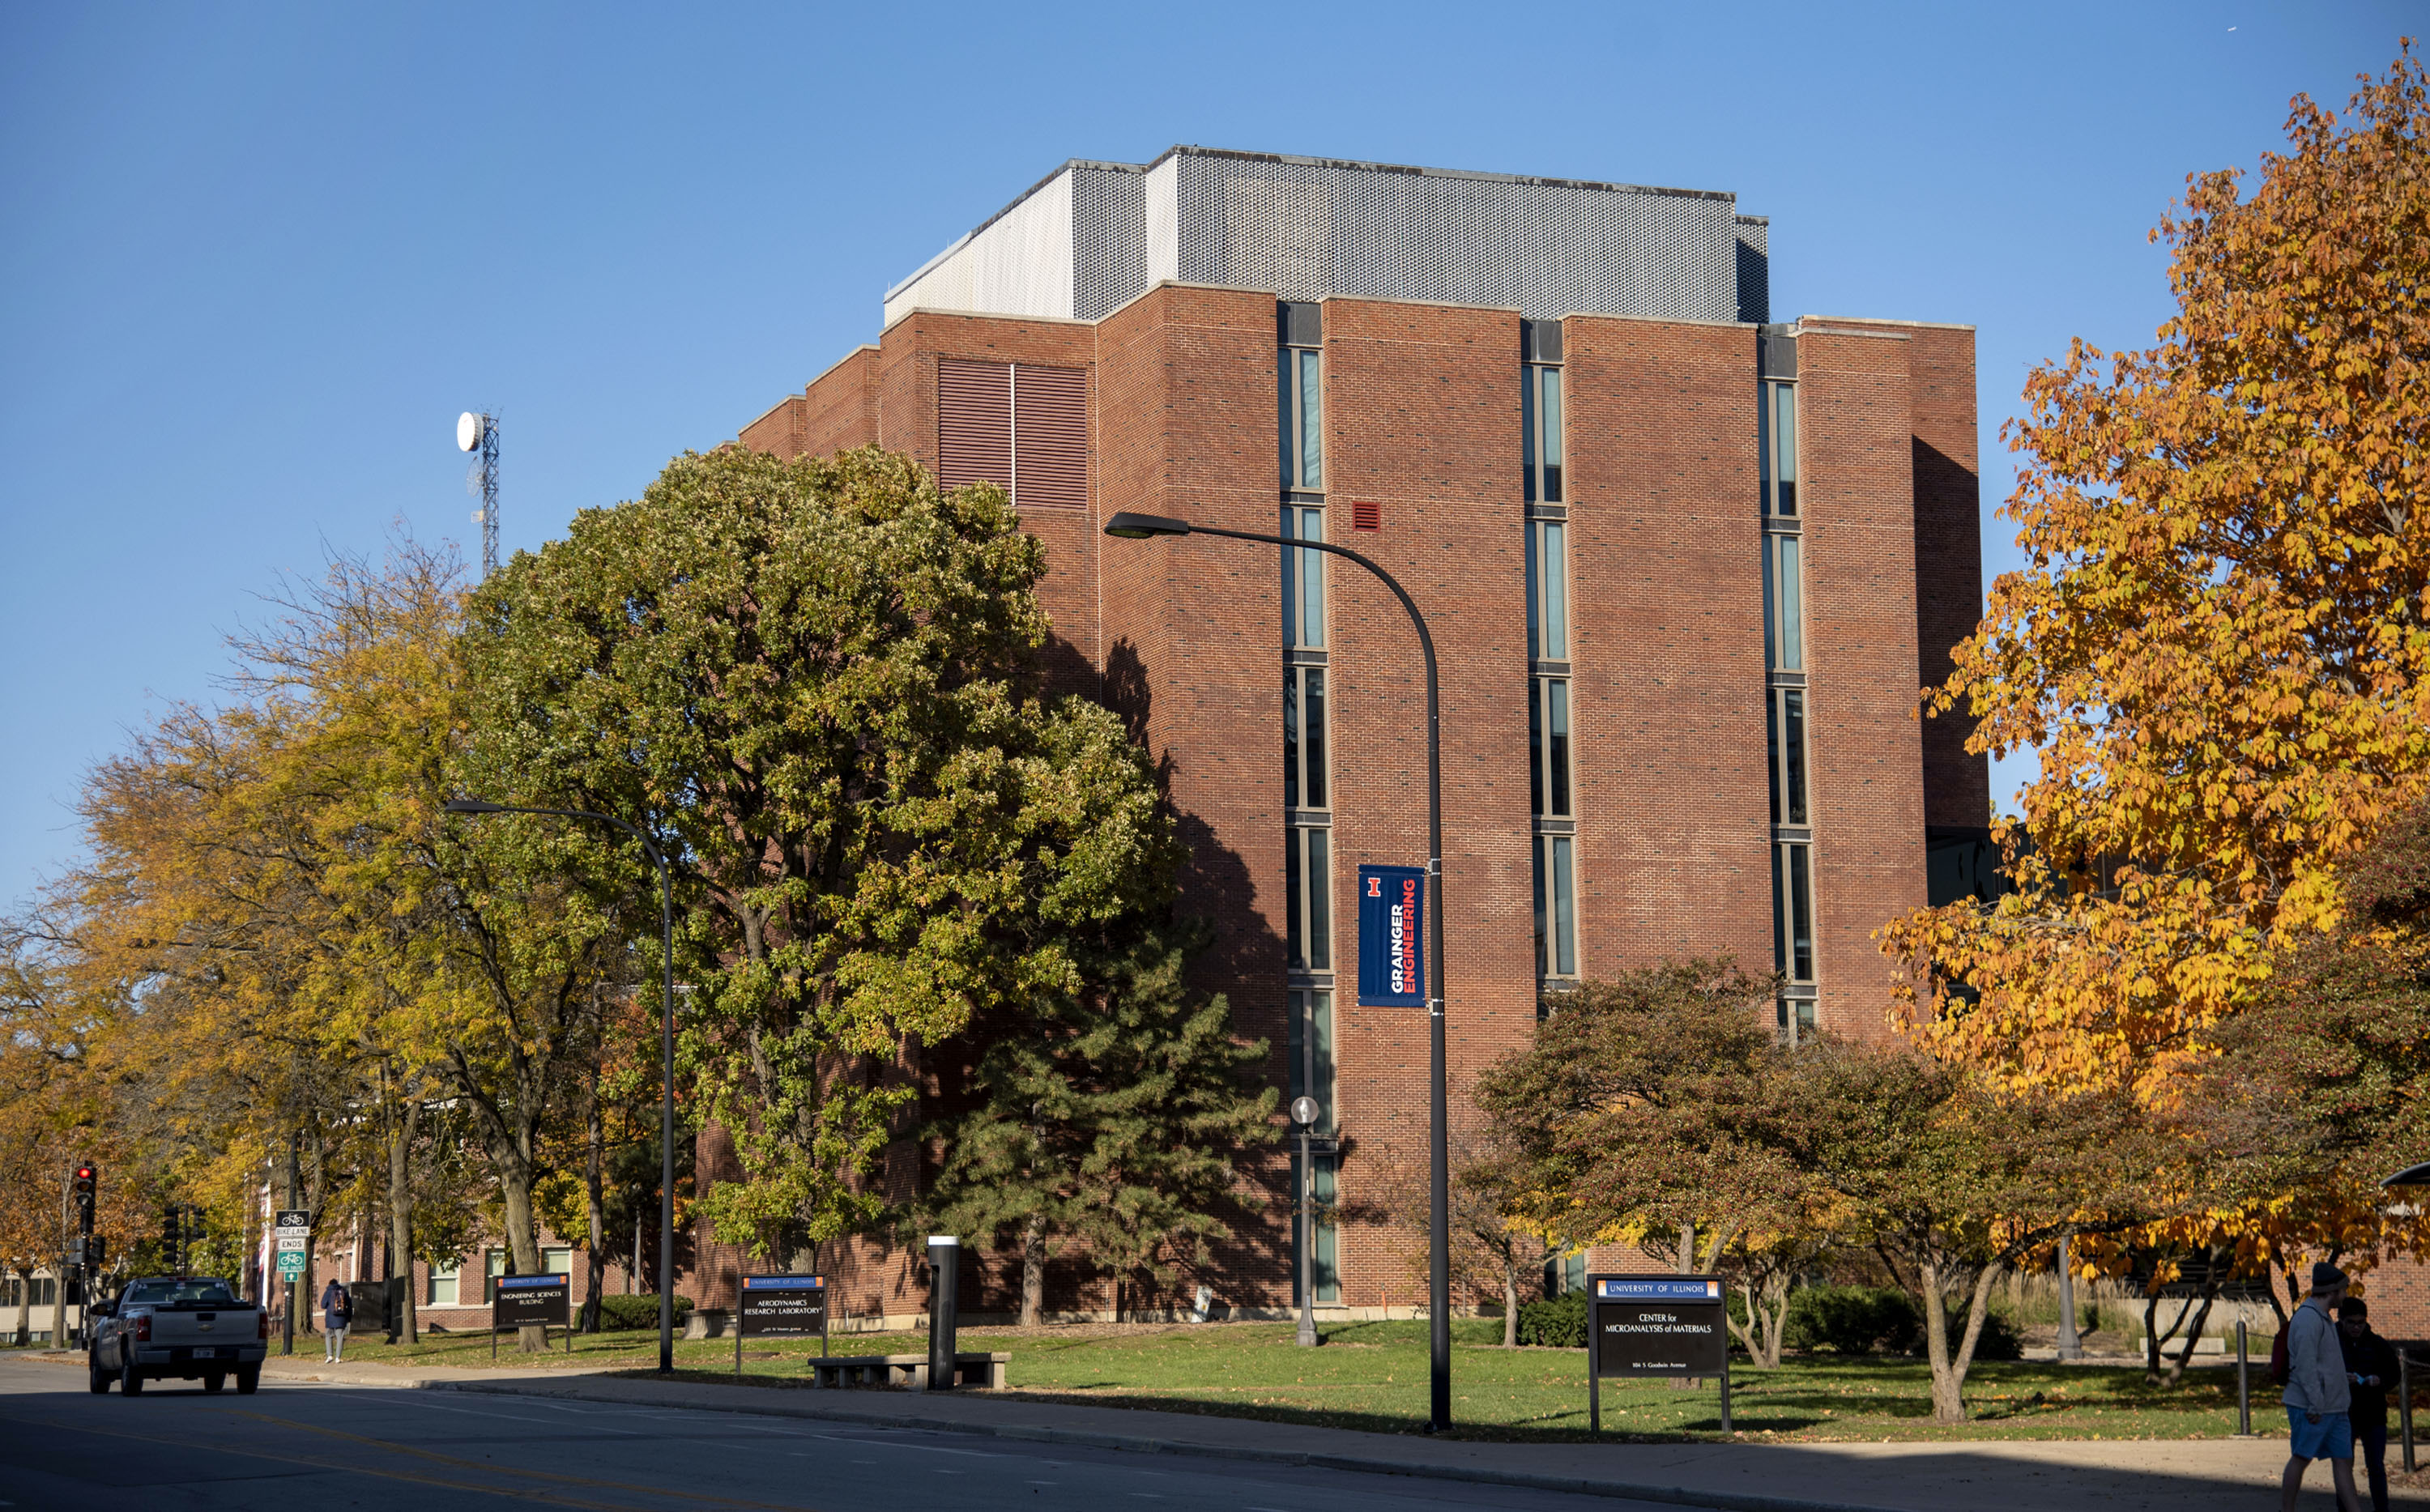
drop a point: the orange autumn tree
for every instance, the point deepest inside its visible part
(2218, 641)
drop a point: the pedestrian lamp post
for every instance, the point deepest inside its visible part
(1130, 526)
(1304, 1112)
(666, 1056)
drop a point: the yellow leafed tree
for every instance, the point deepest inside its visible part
(2218, 641)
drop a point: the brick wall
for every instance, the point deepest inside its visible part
(1667, 642)
(1858, 496)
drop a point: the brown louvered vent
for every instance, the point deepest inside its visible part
(1050, 437)
(1023, 428)
(1366, 516)
(973, 423)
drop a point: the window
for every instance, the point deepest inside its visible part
(1302, 403)
(1540, 431)
(1548, 746)
(1783, 615)
(1312, 1075)
(1548, 591)
(1775, 431)
(1796, 1020)
(1792, 910)
(1557, 925)
(1785, 727)
(440, 1290)
(556, 1261)
(1308, 875)
(494, 1268)
(1303, 578)
(1303, 737)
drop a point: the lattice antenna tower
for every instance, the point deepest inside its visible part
(477, 431)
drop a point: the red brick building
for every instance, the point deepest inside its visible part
(1686, 571)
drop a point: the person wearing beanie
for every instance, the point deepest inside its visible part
(2370, 1369)
(2317, 1394)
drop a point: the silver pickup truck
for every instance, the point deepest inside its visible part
(187, 1327)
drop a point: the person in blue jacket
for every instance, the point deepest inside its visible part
(337, 1310)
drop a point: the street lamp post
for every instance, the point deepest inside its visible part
(1132, 526)
(1304, 1112)
(666, 1057)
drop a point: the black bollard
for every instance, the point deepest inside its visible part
(2243, 1385)
(944, 1266)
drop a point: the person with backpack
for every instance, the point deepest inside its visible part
(2318, 1395)
(2370, 1369)
(337, 1309)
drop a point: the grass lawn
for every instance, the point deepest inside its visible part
(1373, 1376)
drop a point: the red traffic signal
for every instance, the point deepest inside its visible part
(85, 1176)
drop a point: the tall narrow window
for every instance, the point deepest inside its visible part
(1793, 916)
(1303, 578)
(1557, 921)
(1784, 611)
(1539, 430)
(1786, 730)
(1303, 737)
(1548, 746)
(1776, 429)
(1311, 1074)
(1308, 873)
(1548, 591)
(1299, 373)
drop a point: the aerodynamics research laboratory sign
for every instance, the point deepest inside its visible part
(1391, 937)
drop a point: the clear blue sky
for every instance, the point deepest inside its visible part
(257, 258)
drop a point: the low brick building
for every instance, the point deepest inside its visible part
(1685, 569)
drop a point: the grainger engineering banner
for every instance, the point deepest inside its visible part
(1391, 937)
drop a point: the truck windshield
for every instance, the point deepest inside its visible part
(169, 1293)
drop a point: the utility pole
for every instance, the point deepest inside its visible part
(294, 1148)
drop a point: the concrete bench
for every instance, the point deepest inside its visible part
(904, 1370)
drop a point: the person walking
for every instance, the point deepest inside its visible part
(2370, 1369)
(2317, 1395)
(336, 1309)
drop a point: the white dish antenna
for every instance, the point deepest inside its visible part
(467, 431)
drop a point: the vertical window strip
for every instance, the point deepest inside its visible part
(1783, 430)
(1304, 774)
(1557, 923)
(1792, 925)
(1303, 579)
(1551, 408)
(1307, 871)
(1311, 428)
(1792, 753)
(1784, 630)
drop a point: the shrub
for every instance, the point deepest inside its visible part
(617, 1313)
(1853, 1320)
(1560, 1322)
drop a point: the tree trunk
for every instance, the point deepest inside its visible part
(595, 1270)
(1510, 1303)
(1949, 1366)
(400, 1213)
(26, 1306)
(59, 1306)
(1033, 1270)
(2193, 1335)
(515, 1191)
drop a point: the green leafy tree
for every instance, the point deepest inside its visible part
(1106, 1124)
(812, 680)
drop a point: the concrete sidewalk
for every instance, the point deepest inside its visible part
(2148, 1475)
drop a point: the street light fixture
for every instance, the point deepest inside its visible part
(1131, 526)
(666, 1056)
(1305, 1111)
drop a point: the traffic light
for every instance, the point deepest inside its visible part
(87, 1177)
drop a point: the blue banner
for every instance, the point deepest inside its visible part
(1391, 937)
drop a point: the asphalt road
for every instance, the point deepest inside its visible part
(317, 1447)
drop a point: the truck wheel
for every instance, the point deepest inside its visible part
(248, 1379)
(99, 1378)
(130, 1378)
(214, 1381)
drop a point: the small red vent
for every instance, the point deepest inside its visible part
(1366, 516)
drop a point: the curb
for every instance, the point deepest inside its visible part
(1578, 1485)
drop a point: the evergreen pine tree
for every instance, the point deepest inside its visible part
(1106, 1122)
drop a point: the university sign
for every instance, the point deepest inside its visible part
(1391, 937)
(1674, 1325)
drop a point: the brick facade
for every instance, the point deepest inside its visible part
(1420, 420)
